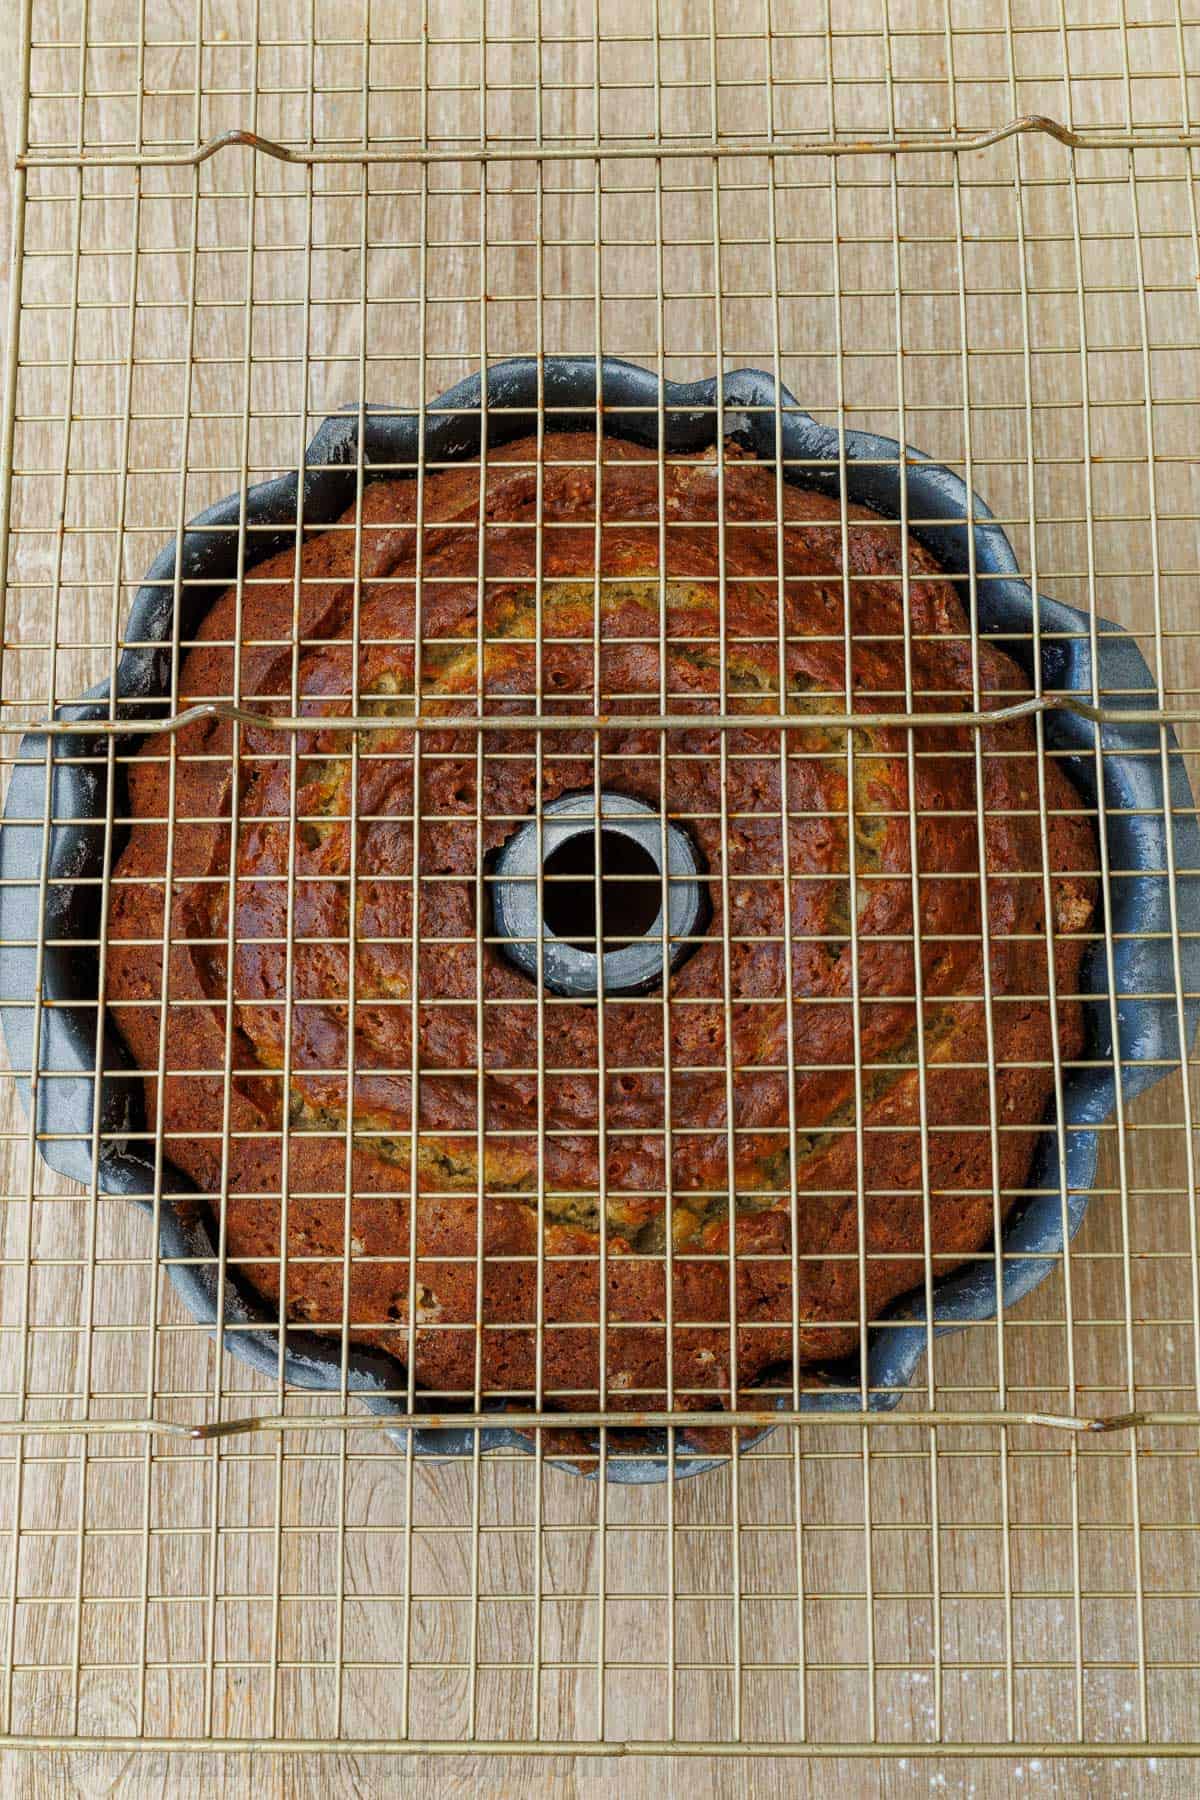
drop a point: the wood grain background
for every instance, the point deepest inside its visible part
(294, 1554)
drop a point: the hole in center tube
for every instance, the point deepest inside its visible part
(631, 890)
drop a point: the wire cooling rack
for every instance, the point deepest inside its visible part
(972, 230)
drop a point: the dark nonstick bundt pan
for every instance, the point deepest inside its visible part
(1131, 804)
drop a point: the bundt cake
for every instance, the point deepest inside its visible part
(601, 1134)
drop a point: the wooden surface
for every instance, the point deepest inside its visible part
(340, 1510)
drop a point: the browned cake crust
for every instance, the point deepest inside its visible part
(296, 882)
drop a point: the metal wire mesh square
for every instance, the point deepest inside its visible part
(860, 202)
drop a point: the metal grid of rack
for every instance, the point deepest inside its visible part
(969, 229)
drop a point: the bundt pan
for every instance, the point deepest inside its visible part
(1143, 975)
